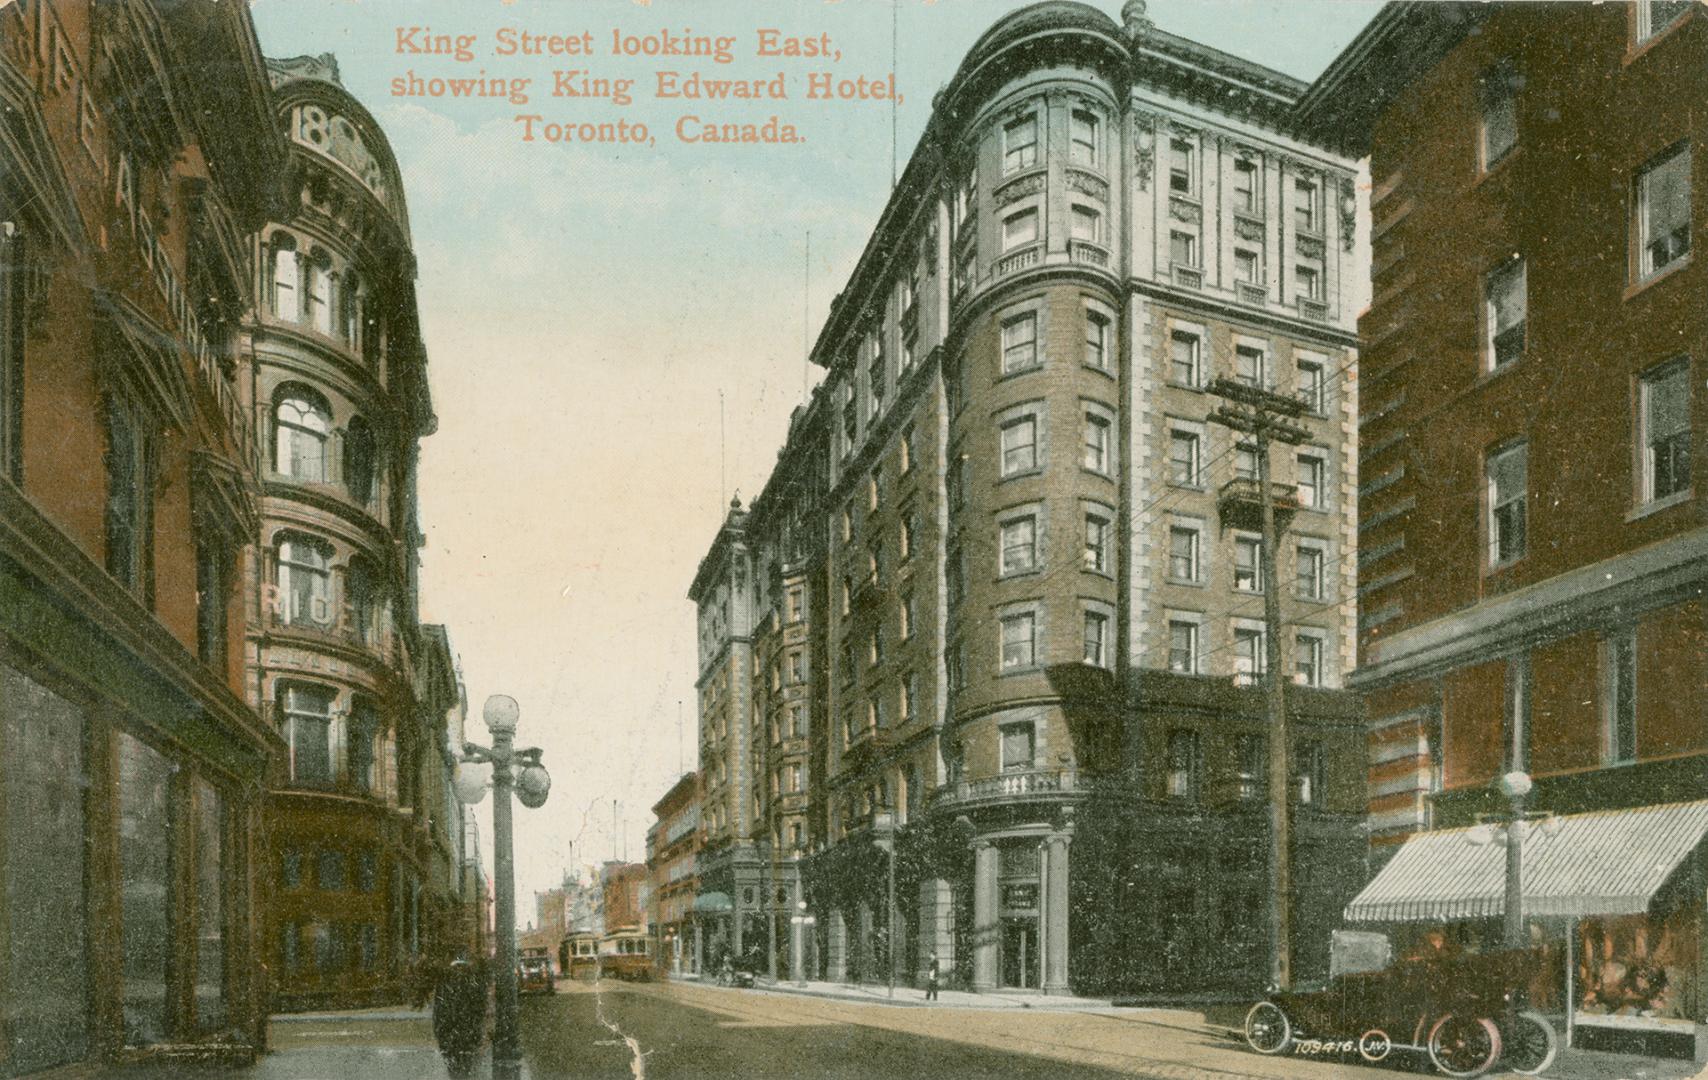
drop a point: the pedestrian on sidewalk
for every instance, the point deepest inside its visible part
(932, 975)
(459, 1016)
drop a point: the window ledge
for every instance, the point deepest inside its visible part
(1193, 387)
(1030, 572)
(1655, 506)
(1030, 369)
(1105, 372)
(1107, 575)
(1020, 474)
(1192, 583)
(1028, 669)
(1676, 266)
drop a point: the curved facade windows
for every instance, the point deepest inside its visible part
(303, 428)
(305, 580)
(359, 460)
(305, 714)
(286, 283)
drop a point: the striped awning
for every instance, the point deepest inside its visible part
(1605, 863)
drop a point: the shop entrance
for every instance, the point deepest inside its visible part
(1020, 953)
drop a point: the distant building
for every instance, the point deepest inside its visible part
(672, 845)
(1533, 556)
(621, 886)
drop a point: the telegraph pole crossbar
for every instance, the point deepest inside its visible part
(1265, 416)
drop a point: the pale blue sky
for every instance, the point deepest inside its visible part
(585, 305)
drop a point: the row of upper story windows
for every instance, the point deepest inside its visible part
(1248, 648)
(1661, 462)
(304, 441)
(305, 288)
(1189, 543)
(334, 752)
(1188, 468)
(1247, 181)
(1252, 364)
(303, 577)
(1246, 774)
(1022, 638)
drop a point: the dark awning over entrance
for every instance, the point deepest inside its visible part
(712, 903)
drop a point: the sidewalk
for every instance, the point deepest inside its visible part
(908, 996)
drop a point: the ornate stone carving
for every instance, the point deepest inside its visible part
(1144, 148)
(1348, 213)
(1181, 210)
(1019, 188)
(1311, 247)
(1248, 229)
(1087, 184)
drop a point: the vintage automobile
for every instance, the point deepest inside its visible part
(1465, 1011)
(534, 975)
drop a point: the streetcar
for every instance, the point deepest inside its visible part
(578, 956)
(626, 953)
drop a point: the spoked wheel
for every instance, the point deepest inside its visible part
(1530, 1043)
(1463, 1045)
(1267, 1029)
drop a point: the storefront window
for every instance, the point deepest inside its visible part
(45, 1017)
(145, 865)
(210, 907)
(1638, 965)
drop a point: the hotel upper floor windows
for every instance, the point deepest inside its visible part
(1019, 229)
(1182, 167)
(1654, 16)
(1097, 340)
(1020, 144)
(1185, 455)
(1185, 545)
(1664, 435)
(303, 426)
(1252, 753)
(1086, 224)
(1248, 266)
(286, 277)
(1019, 545)
(306, 712)
(1311, 579)
(1661, 206)
(1099, 446)
(1020, 343)
(1308, 653)
(1497, 90)
(359, 460)
(1084, 137)
(1251, 365)
(1307, 282)
(1307, 205)
(1507, 481)
(1019, 445)
(1097, 642)
(1097, 536)
(12, 312)
(1313, 479)
(1183, 649)
(1251, 659)
(1019, 746)
(1246, 187)
(130, 497)
(966, 198)
(1505, 308)
(1185, 764)
(1019, 640)
(305, 580)
(1313, 386)
(1185, 357)
(1248, 563)
(1182, 248)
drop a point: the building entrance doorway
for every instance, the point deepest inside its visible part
(1020, 953)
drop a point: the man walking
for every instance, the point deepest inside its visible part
(932, 975)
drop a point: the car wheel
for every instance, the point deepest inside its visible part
(1267, 1029)
(1463, 1045)
(1530, 1043)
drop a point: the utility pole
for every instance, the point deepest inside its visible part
(1265, 416)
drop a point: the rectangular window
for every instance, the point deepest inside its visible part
(1311, 572)
(1020, 144)
(213, 593)
(1500, 113)
(1183, 458)
(1245, 186)
(1305, 216)
(1097, 454)
(1097, 639)
(1019, 446)
(1183, 358)
(1312, 386)
(875, 374)
(1662, 207)
(130, 499)
(1019, 545)
(1665, 436)
(967, 198)
(1097, 543)
(1019, 640)
(1247, 266)
(1019, 343)
(796, 603)
(909, 687)
(1183, 248)
(1620, 657)
(1183, 764)
(307, 718)
(797, 722)
(1182, 174)
(1019, 746)
(1653, 16)
(1245, 461)
(1308, 659)
(1310, 773)
(1507, 484)
(909, 523)
(149, 898)
(1505, 307)
(1307, 282)
(1097, 340)
(1019, 229)
(329, 874)
(1313, 481)
(1249, 365)
(1082, 137)
(1248, 563)
(1183, 542)
(1251, 659)
(1253, 766)
(1086, 224)
(904, 449)
(1183, 646)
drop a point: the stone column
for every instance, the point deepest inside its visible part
(836, 946)
(699, 947)
(936, 927)
(1055, 928)
(863, 925)
(987, 926)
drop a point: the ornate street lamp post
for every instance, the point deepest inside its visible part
(509, 770)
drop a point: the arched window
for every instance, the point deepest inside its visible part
(319, 298)
(350, 308)
(285, 277)
(306, 713)
(371, 329)
(303, 422)
(305, 580)
(367, 600)
(359, 460)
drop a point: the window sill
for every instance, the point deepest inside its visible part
(1187, 487)
(1094, 572)
(1104, 371)
(1195, 388)
(1495, 569)
(1028, 669)
(1638, 287)
(1655, 506)
(1192, 583)
(1086, 470)
(1020, 474)
(1013, 575)
(1029, 369)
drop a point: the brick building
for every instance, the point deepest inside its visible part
(361, 823)
(1005, 564)
(131, 831)
(672, 850)
(1532, 542)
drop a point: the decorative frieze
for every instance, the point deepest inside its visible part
(1087, 184)
(1144, 147)
(1248, 228)
(1019, 188)
(1348, 213)
(1311, 247)
(1181, 210)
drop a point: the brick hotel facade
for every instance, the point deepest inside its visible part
(998, 608)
